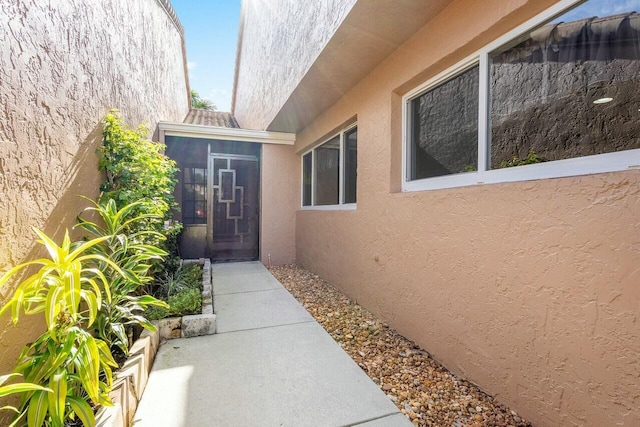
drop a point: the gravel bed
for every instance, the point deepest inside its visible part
(419, 386)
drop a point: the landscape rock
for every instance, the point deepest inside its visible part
(420, 387)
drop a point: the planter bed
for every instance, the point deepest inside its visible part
(130, 381)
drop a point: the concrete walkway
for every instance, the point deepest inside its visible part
(270, 364)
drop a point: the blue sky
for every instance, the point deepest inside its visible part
(600, 8)
(211, 32)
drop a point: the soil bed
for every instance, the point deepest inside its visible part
(419, 386)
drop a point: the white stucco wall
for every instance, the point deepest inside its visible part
(280, 40)
(63, 64)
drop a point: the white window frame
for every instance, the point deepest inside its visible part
(598, 163)
(341, 205)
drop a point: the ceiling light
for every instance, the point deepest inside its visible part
(602, 100)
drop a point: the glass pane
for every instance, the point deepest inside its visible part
(188, 192)
(200, 213)
(188, 212)
(569, 88)
(444, 131)
(188, 176)
(327, 167)
(306, 179)
(200, 176)
(350, 165)
(200, 192)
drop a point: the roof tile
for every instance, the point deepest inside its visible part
(211, 118)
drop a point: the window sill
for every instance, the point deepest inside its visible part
(588, 165)
(345, 207)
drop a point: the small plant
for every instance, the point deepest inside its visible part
(188, 276)
(74, 366)
(532, 158)
(182, 291)
(127, 270)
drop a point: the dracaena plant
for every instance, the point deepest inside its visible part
(15, 388)
(123, 303)
(72, 364)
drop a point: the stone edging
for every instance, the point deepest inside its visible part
(197, 324)
(130, 381)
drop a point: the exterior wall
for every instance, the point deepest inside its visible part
(527, 289)
(269, 32)
(280, 197)
(63, 64)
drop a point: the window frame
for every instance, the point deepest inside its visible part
(593, 164)
(341, 205)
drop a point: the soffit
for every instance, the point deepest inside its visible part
(370, 33)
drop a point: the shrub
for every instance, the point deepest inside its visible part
(75, 366)
(137, 171)
(127, 270)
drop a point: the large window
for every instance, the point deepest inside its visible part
(559, 96)
(329, 171)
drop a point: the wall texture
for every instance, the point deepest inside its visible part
(527, 289)
(63, 64)
(272, 31)
(280, 197)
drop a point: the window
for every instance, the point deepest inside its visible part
(306, 179)
(194, 193)
(440, 145)
(558, 96)
(329, 171)
(350, 165)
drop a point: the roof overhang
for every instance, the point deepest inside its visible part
(371, 32)
(225, 134)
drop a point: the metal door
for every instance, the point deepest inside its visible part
(233, 223)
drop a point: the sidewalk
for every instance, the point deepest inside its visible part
(270, 364)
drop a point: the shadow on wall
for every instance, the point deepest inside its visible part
(80, 178)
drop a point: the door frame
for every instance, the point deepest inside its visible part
(215, 133)
(211, 156)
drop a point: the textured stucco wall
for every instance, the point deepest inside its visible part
(528, 289)
(280, 41)
(63, 64)
(280, 197)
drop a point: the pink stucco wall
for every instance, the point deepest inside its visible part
(280, 197)
(528, 289)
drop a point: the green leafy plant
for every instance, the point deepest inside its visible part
(201, 103)
(137, 171)
(187, 301)
(9, 389)
(127, 269)
(532, 158)
(188, 276)
(75, 366)
(183, 292)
